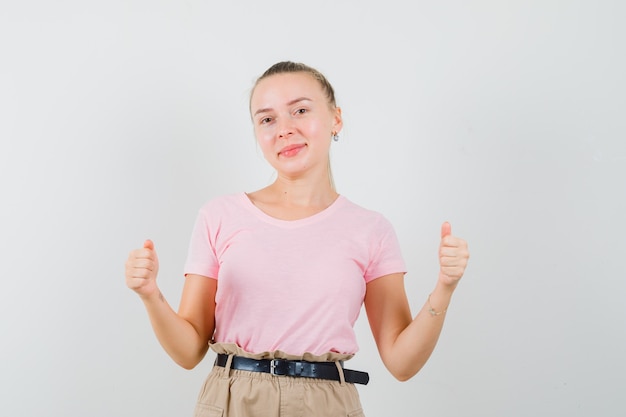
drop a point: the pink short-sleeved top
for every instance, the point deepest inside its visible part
(294, 286)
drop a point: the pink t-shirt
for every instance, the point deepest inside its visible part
(294, 286)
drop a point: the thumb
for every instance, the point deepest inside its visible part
(446, 229)
(148, 244)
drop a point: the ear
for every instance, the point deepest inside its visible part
(337, 120)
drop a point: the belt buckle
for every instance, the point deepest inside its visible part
(273, 367)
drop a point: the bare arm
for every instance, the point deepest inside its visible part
(183, 335)
(405, 343)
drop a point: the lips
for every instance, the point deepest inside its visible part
(291, 150)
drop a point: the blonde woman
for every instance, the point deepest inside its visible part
(275, 278)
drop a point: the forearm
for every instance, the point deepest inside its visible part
(179, 338)
(416, 342)
(404, 342)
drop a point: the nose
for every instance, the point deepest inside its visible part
(285, 129)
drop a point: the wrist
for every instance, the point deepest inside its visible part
(445, 285)
(152, 297)
(439, 299)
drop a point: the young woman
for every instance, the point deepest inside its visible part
(275, 278)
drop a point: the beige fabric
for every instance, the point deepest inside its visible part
(234, 393)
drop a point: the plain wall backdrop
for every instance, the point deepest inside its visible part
(119, 119)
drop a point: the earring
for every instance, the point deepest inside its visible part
(335, 137)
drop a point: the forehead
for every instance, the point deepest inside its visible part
(279, 89)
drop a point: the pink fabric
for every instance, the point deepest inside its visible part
(293, 286)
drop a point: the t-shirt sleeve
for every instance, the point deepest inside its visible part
(201, 255)
(386, 255)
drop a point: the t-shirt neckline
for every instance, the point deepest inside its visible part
(260, 214)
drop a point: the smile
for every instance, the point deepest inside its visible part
(291, 150)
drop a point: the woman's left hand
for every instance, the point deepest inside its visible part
(453, 256)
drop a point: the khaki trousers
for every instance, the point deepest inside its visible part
(235, 393)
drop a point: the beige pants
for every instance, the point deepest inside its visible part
(234, 393)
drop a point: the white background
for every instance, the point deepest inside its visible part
(119, 119)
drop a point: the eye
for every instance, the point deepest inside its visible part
(301, 111)
(265, 120)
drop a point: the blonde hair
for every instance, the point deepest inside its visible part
(291, 67)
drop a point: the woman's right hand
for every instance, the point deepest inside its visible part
(142, 267)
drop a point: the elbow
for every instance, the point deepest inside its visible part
(189, 361)
(403, 376)
(187, 364)
(404, 367)
(190, 358)
(404, 373)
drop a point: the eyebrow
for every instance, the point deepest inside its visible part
(290, 103)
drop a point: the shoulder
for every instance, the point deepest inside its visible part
(222, 209)
(223, 203)
(360, 212)
(363, 217)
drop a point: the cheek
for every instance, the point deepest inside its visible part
(317, 128)
(264, 142)
(262, 136)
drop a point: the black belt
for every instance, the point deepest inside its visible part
(322, 370)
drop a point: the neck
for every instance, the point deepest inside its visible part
(303, 192)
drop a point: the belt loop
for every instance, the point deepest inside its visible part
(229, 363)
(342, 378)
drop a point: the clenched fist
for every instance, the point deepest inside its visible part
(142, 267)
(453, 256)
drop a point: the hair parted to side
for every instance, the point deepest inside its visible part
(290, 67)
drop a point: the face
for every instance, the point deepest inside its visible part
(294, 123)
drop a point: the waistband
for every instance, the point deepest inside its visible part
(295, 368)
